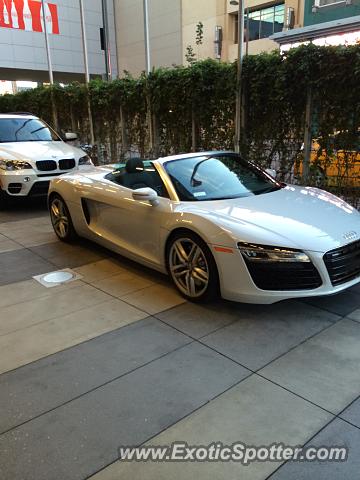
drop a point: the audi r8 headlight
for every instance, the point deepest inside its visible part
(264, 253)
(14, 165)
(85, 160)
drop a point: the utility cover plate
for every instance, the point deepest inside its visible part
(59, 277)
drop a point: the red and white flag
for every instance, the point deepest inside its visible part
(27, 15)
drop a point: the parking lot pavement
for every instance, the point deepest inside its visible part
(118, 358)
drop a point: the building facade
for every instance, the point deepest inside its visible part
(173, 24)
(326, 22)
(22, 39)
(262, 20)
(320, 11)
(165, 33)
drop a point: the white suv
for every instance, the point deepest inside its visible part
(31, 154)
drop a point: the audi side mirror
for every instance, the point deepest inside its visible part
(146, 195)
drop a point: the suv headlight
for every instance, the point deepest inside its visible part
(86, 160)
(14, 165)
(264, 253)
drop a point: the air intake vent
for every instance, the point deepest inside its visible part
(284, 276)
(343, 264)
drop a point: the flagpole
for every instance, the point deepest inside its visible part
(106, 39)
(50, 68)
(83, 34)
(51, 77)
(87, 73)
(147, 36)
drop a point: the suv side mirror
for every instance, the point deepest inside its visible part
(271, 172)
(146, 195)
(70, 137)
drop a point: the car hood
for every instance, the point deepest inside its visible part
(296, 217)
(34, 151)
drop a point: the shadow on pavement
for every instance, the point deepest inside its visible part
(23, 208)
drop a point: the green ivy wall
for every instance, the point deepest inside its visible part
(194, 107)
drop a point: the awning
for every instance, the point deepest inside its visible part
(346, 31)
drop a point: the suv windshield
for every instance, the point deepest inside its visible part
(218, 177)
(25, 130)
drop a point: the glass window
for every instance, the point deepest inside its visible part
(267, 22)
(25, 130)
(148, 176)
(263, 23)
(254, 25)
(323, 3)
(217, 177)
(279, 18)
(236, 28)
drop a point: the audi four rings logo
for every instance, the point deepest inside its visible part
(350, 235)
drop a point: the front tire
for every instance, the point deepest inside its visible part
(61, 219)
(192, 267)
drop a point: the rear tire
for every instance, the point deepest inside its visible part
(61, 219)
(192, 267)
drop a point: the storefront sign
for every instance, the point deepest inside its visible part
(27, 15)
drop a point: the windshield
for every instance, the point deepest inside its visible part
(25, 130)
(218, 177)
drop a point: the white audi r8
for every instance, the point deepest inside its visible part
(215, 223)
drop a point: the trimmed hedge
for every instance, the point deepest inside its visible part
(194, 106)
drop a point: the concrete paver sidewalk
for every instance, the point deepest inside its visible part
(118, 358)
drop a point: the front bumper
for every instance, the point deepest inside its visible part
(26, 183)
(236, 283)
